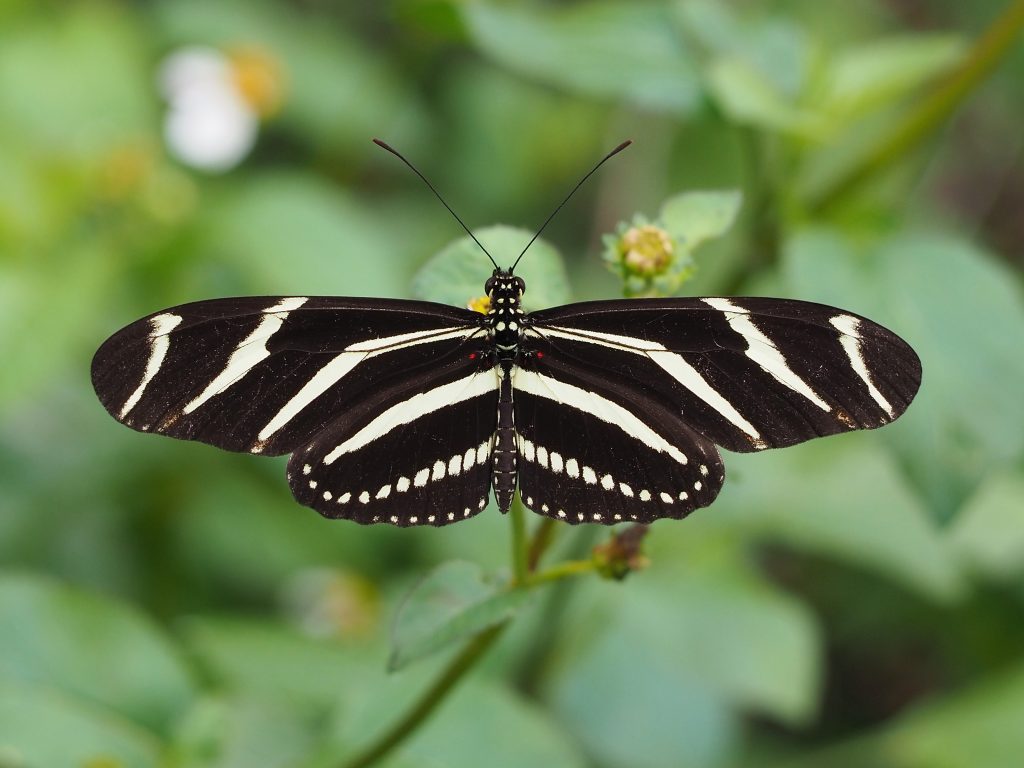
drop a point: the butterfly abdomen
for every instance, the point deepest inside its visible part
(505, 452)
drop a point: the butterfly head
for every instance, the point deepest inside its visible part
(503, 284)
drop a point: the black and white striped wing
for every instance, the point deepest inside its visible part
(415, 453)
(271, 375)
(267, 374)
(597, 448)
(746, 373)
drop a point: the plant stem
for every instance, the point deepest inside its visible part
(536, 659)
(542, 538)
(931, 111)
(430, 698)
(562, 570)
(471, 652)
(520, 556)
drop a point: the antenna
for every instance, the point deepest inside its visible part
(579, 184)
(437, 194)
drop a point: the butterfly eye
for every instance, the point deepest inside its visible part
(520, 285)
(489, 286)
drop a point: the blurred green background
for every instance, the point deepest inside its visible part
(856, 601)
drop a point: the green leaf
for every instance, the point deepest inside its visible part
(695, 217)
(767, 43)
(26, 292)
(988, 533)
(844, 497)
(722, 632)
(84, 67)
(457, 274)
(300, 234)
(481, 723)
(92, 647)
(613, 50)
(42, 727)
(238, 731)
(499, 109)
(978, 728)
(873, 74)
(453, 602)
(618, 672)
(755, 645)
(963, 312)
(264, 658)
(747, 95)
(230, 495)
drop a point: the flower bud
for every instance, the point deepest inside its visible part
(647, 258)
(646, 250)
(621, 555)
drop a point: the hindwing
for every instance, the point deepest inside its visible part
(598, 447)
(413, 453)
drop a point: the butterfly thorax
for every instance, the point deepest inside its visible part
(505, 316)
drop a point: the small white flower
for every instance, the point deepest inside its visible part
(209, 124)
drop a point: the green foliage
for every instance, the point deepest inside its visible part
(976, 727)
(251, 227)
(39, 726)
(572, 49)
(988, 533)
(853, 601)
(960, 295)
(225, 732)
(452, 603)
(656, 259)
(853, 504)
(456, 274)
(694, 217)
(93, 648)
(727, 642)
(487, 724)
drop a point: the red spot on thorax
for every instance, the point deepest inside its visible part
(540, 355)
(472, 355)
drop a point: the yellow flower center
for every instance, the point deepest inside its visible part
(258, 77)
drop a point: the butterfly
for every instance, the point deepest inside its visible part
(411, 412)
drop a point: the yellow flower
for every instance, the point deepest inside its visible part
(258, 77)
(480, 304)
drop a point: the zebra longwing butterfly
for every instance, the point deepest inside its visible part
(411, 412)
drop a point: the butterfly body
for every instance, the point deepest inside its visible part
(410, 413)
(504, 323)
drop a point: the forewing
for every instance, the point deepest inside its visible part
(414, 453)
(595, 449)
(748, 373)
(266, 374)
